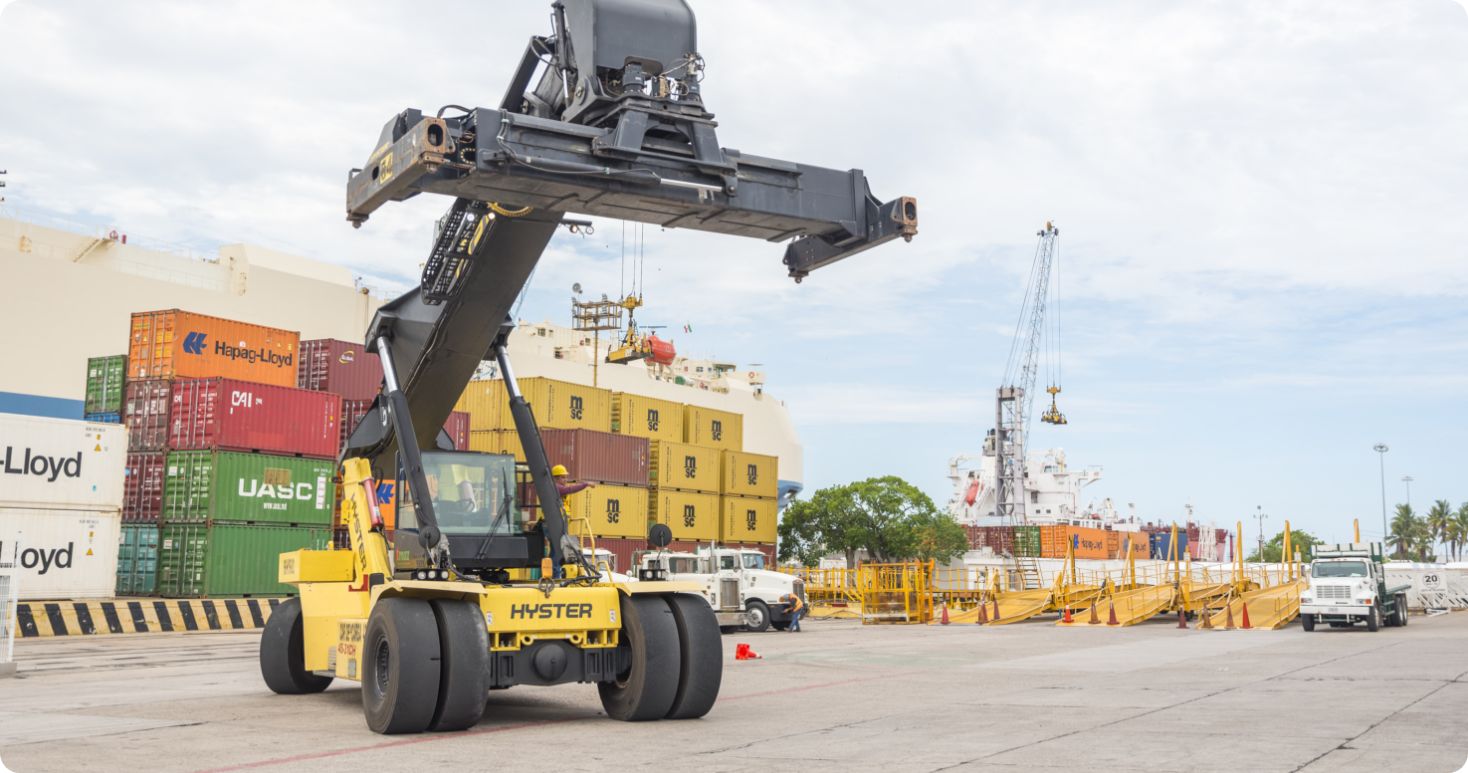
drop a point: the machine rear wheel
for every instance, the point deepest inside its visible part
(647, 689)
(701, 656)
(400, 666)
(463, 684)
(283, 653)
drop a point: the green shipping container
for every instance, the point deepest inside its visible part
(228, 487)
(137, 560)
(104, 383)
(229, 559)
(1027, 540)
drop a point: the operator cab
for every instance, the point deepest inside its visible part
(474, 500)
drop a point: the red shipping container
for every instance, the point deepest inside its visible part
(331, 365)
(230, 415)
(624, 551)
(145, 412)
(142, 488)
(352, 413)
(458, 428)
(601, 457)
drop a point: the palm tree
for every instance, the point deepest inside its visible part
(1408, 533)
(1460, 522)
(1438, 519)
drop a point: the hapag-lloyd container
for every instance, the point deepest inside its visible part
(182, 344)
(61, 464)
(750, 475)
(598, 456)
(145, 414)
(61, 554)
(332, 365)
(104, 384)
(684, 466)
(748, 519)
(226, 486)
(610, 511)
(229, 559)
(692, 515)
(142, 487)
(231, 415)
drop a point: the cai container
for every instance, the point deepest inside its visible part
(229, 559)
(61, 554)
(684, 466)
(182, 344)
(137, 560)
(231, 415)
(647, 417)
(234, 487)
(691, 515)
(602, 457)
(105, 377)
(142, 486)
(750, 475)
(145, 413)
(748, 519)
(714, 428)
(343, 367)
(61, 464)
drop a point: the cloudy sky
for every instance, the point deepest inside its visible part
(1264, 249)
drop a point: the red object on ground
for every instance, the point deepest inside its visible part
(1182, 619)
(602, 457)
(1245, 614)
(1111, 616)
(142, 488)
(945, 615)
(663, 352)
(743, 652)
(1066, 617)
(145, 412)
(331, 365)
(230, 415)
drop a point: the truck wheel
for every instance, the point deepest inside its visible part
(701, 656)
(759, 616)
(647, 689)
(283, 653)
(400, 666)
(1307, 622)
(1373, 618)
(463, 684)
(1402, 610)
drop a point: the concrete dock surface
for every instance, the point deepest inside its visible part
(837, 696)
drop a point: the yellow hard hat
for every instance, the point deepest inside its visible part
(559, 469)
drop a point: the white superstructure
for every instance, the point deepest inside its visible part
(1052, 490)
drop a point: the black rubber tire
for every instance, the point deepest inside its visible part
(283, 653)
(1402, 610)
(463, 682)
(650, 685)
(700, 656)
(400, 666)
(1373, 619)
(780, 625)
(760, 611)
(1307, 622)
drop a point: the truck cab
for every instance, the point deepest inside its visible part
(1347, 584)
(742, 592)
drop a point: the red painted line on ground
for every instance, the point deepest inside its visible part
(806, 687)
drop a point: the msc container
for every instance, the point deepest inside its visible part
(61, 464)
(222, 486)
(487, 404)
(352, 413)
(610, 511)
(145, 412)
(458, 429)
(330, 365)
(711, 427)
(750, 475)
(564, 405)
(61, 554)
(496, 441)
(225, 414)
(142, 487)
(692, 515)
(229, 559)
(647, 417)
(182, 344)
(597, 456)
(137, 560)
(748, 519)
(104, 384)
(684, 466)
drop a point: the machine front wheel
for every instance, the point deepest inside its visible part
(1307, 622)
(464, 682)
(649, 686)
(701, 656)
(1373, 619)
(283, 653)
(400, 666)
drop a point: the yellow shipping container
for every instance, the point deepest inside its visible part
(647, 417)
(748, 519)
(488, 405)
(563, 405)
(683, 466)
(692, 515)
(610, 511)
(711, 427)
(750, 475)
(496, 441)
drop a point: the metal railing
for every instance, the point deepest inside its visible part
(9, 596)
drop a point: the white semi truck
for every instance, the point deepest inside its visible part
(736, 584)
(1348, 585)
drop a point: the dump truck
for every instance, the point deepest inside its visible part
(1347, 585)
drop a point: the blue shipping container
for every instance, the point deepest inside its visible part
(1161, 544)
(104, 418)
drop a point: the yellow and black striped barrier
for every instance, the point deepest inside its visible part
(88, 618)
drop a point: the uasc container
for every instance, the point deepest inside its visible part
(61, 464)
(647, 417)
(142, 487)
(223, 486)
(137, 560)
(598, 456)
(331, 365)
(750, 475)
(145, 413)
(105, 376)
(182, 344)
(229, 559)
(748, 519)
(609, 510)
(232, 415)
(712, 427)
(685, 467)
(691, 515)
(61, 554)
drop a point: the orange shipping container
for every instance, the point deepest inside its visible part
(182, 344)
(1090, 542)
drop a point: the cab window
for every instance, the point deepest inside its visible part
(472, 494)
(754, 560)
(681, 566)
(727, 562)
(1340, 569)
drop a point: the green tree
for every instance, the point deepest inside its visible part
(1459, 531)
(887, 517)
(1301, 541)
(1438, 519)
(1410, 535)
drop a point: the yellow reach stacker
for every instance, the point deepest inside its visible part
(603, 117)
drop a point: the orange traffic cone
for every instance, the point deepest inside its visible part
(1111, 616)
(1207, 623)
(944, 621)
(741, 652)
(1182, 619)
(1066, 617)
(996, 609)
(1245, 625)
(983, 613)
(1228, 623)
(1095, 620)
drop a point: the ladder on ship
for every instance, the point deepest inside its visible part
(1027, 569)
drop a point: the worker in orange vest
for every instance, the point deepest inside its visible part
(796, 609)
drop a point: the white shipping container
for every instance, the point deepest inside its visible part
(61, 464)
(61, 554)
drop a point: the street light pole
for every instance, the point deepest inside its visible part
(1381, 449)
(1260, 516)
(1407, 479)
